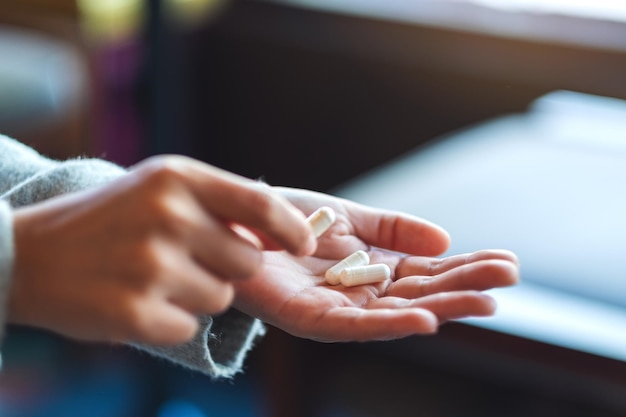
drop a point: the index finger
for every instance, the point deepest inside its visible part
(253, 205)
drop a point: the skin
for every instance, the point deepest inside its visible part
(138, 260)
(423, 293)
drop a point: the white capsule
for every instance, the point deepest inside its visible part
(367, 274)
(321, 220)
(358, 258)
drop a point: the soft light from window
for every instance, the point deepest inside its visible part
(600, 9)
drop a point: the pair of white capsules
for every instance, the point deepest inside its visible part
(354, 269)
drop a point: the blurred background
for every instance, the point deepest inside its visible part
(502, 120)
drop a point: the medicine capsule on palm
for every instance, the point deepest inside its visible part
(358, 258)
(368, 274)
(321, 219)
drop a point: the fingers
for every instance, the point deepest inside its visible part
(249, 203)
(161, 324)
(434, 266)
(445, 306)
(268, 215)
(166, 313)
(479, 275)
(357, 324)
(232, 199)
(452, 292)
(389, 318)
(225, 252)
(195, 290)
(399, 232)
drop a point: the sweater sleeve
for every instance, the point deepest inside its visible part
(6, 259)
(27, 177)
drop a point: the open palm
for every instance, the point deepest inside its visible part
(423, 292)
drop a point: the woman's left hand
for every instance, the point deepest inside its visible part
(423, 292)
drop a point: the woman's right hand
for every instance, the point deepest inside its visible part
(138, 259)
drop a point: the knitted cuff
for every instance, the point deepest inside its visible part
(218, 349)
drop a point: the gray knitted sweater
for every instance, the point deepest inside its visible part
(27, 177)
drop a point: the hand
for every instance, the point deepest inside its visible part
(138, 259)
(424, 292)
